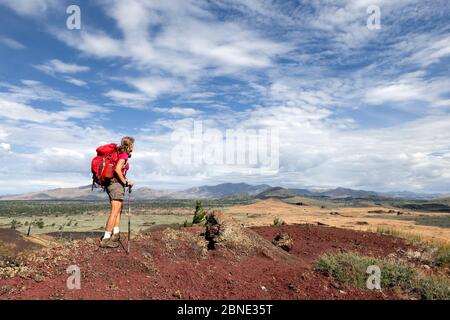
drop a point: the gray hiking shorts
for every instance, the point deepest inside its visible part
(116, 191)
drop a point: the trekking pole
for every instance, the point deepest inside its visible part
(129, 220)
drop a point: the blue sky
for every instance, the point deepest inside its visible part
(354, 107)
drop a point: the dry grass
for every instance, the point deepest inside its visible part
(351, 269)
(179, 242)
(263, 213)
(440, 249)
(442, 255)
(412, 238)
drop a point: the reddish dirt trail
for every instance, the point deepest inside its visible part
(169, 264)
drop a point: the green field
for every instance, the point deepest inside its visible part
(60, 216)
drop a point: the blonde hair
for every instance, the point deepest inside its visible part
(126, 144)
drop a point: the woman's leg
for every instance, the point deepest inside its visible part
(114, 216)
(117, 222)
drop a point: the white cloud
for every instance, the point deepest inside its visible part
(3, 134)
(57, 66)
(148, 89)
(30, 7)
(22, 112)
(424, 49)
(16, 104)
(77, 82)
(5, 146)
(316, 154)
(312, 152)
(191, 44)
(152, 87)
(94, 43)
(11, 43)
(18, 111)
(43, 162)
(187, 112)
(437, 51)
(128, 99)
(412, 87)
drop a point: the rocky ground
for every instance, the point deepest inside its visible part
(168, 263)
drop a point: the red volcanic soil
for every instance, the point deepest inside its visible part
(13, 241)
(175, 264)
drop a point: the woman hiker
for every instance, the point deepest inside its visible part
(116, 193)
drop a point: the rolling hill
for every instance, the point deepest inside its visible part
(277, 192)
(226, 189)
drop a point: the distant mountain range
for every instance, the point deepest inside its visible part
(262, 191)
(203, 192)
(337, 193)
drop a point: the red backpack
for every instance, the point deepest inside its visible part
(103, 164)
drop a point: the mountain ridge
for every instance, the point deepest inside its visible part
(260, 191)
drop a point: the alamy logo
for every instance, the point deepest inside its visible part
(374, 280)
(73, 21)
(250, 148)
(74, 279)
(374, 19)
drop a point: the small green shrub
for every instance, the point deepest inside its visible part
(187, 224)
(40, 223)
(347, 268)
(199, 214)
(278, 222)
(15, 224)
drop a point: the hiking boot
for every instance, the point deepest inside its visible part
(108, 243)
(115, 237)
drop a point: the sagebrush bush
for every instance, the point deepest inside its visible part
(347, 268)
(350, 269)
(433, 288)
(442, 256)
(397, 274)
(278, 222)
